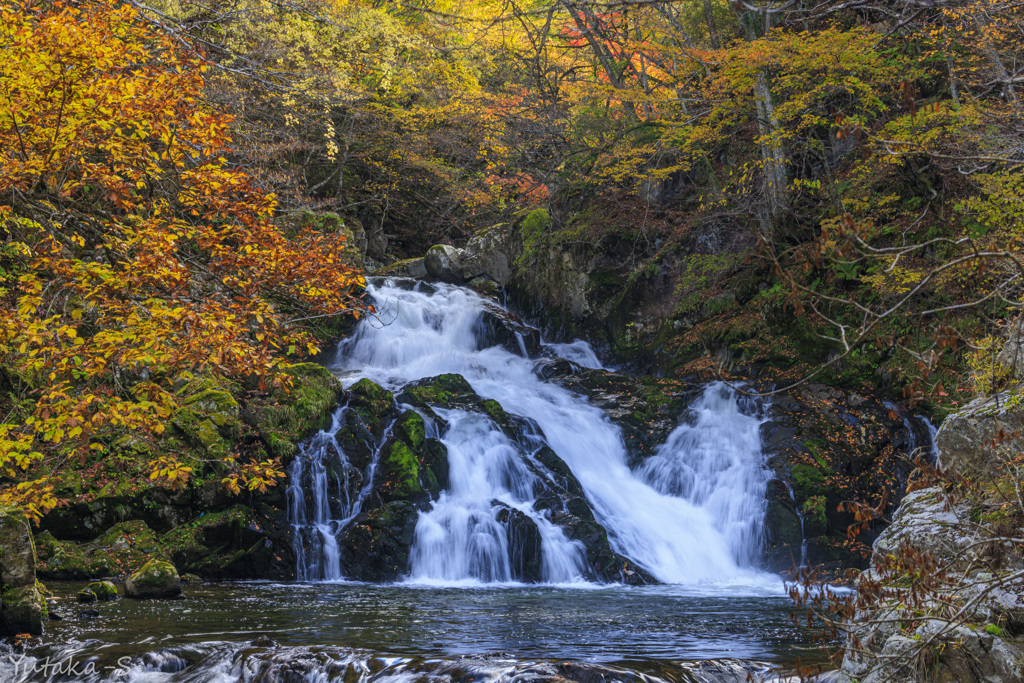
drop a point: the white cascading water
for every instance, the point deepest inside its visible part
(315, 523)
(460, 538)
(684, 527)
(715, 463)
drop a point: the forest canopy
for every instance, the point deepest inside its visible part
(157, 160)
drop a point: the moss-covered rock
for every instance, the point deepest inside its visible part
(372, 403)
(447, 391)
(103, 590)
(22, 608)
(236, 543)
(413, 267)
(399, 473)
(410, 428)
(23, 611)
(156, 579)
(17, 551)
(286, 417)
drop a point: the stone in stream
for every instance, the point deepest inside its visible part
(156, 579)
(103, 590)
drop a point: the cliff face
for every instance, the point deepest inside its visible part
(967, 622)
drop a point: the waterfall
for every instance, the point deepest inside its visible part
(460, 538)
(913, 447)
(716, 465)
(320, 503)
(692, 514)
(933, 445)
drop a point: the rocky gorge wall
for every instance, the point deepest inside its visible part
(943, 599)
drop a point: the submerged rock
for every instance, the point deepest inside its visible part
(156, 579)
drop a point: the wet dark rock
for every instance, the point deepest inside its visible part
(826, 447)
(375, 547)
(604, 564)
(553, 368)
(524, 544)
(85, 595)
(88, 614)
(263, 641)
(498, 327)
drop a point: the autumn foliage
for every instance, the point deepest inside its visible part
(134, 253)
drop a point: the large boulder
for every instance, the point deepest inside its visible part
(444, 262)
(156, 579)
(980, 438)
(524, 544)
(22, 608)
(489, 254)
(375, 547)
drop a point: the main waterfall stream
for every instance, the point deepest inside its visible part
(691, 515)
(464, 609)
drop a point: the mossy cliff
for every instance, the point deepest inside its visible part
(116, 517)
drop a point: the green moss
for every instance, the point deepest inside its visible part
(993, 630)
(441, 390)
(401, 472)
(410, 428)
(495, 411)
(288, 416)
(156, 578)
(807, 477)
(371, 401)
(103, 590)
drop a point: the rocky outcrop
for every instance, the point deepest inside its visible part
(487, 257)
(239, 542)
(412, 471)
(827, 446)
(156, 579)
(981, 438)
(22, 608)
(943, 599)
